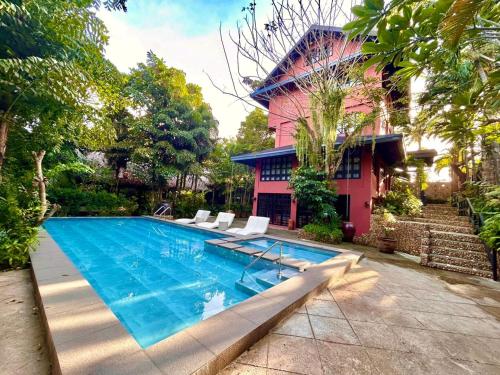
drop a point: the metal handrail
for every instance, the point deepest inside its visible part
(163, 210)
(465, 208)
(260, 257)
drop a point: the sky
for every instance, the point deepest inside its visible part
(185, 33)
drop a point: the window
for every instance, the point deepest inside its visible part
(350, 166)
(276, 169)
(317, 54)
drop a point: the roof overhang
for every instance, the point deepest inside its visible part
(426, 155)
(389, 146)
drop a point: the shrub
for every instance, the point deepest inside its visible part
(312, 189)
(78, 202)
(490, 232)
(402, 202)
(322, 233)
(186, 203)
(19, 211)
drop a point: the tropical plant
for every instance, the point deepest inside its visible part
(312, 189)
(490, 231)
(323, 233)
(455, 44)
(19, 213)
(75, 201)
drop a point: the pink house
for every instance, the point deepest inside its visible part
(368, 175)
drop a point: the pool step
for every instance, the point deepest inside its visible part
(249, 286)
(269, 278)
(259, 281)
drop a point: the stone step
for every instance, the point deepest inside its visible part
(444, 210)
(444, 216)
(450, 236)
(479, 255)
(450, 221)
(451, 229)
(447, 212)
(466, 270)
(461, 262)
(459, 245)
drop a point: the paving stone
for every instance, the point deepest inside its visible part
(345, 359)
(396, 363)
(294, 354)
(378, 335)
(459, 324)
(324, 308)
(295, 325)
(333, 329)
(241, 369)
(256, 355)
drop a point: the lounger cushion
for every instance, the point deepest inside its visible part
(254, 225)
(185, 221)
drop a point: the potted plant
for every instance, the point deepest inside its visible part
(386, 242)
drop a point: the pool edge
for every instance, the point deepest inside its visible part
(204, 348)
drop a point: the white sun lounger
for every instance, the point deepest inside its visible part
(200, 217)
(254, 225)
(225, 217)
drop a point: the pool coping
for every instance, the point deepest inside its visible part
(84, 336)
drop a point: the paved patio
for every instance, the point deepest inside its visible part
(386, 319)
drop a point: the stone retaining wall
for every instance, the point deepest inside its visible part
(408, 235)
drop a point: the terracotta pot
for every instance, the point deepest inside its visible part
(348, 230)
(386, 245)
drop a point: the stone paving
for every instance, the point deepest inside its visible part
(22, 341)
(385, 319)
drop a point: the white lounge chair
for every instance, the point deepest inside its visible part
(225, 217)
(200, 217)
(254, 225)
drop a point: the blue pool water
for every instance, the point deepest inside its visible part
(157, 278)
(291, 250)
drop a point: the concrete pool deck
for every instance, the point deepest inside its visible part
(84, 336)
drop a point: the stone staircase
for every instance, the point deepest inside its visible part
(451, 243)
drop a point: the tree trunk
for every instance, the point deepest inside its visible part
(40, 181)
(4, 132)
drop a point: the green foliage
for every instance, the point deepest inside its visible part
(455, 42)
(490, 231)
(69, 174)
(254, 133)
(78, 202)
(403, 203)
(235, 181)
(175, 130)
(186, 203)
(312, 189)
(19, 211)
(316, 137)
(323, 233)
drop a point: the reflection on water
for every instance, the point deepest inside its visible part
(214, 304)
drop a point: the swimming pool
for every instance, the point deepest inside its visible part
(291, 250)
(158, 278)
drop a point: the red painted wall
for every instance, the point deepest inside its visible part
(284, 110)
(361, 191)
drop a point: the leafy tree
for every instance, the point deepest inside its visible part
(236, 180)
(175, 127)
(455, 43)
(254, 133)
